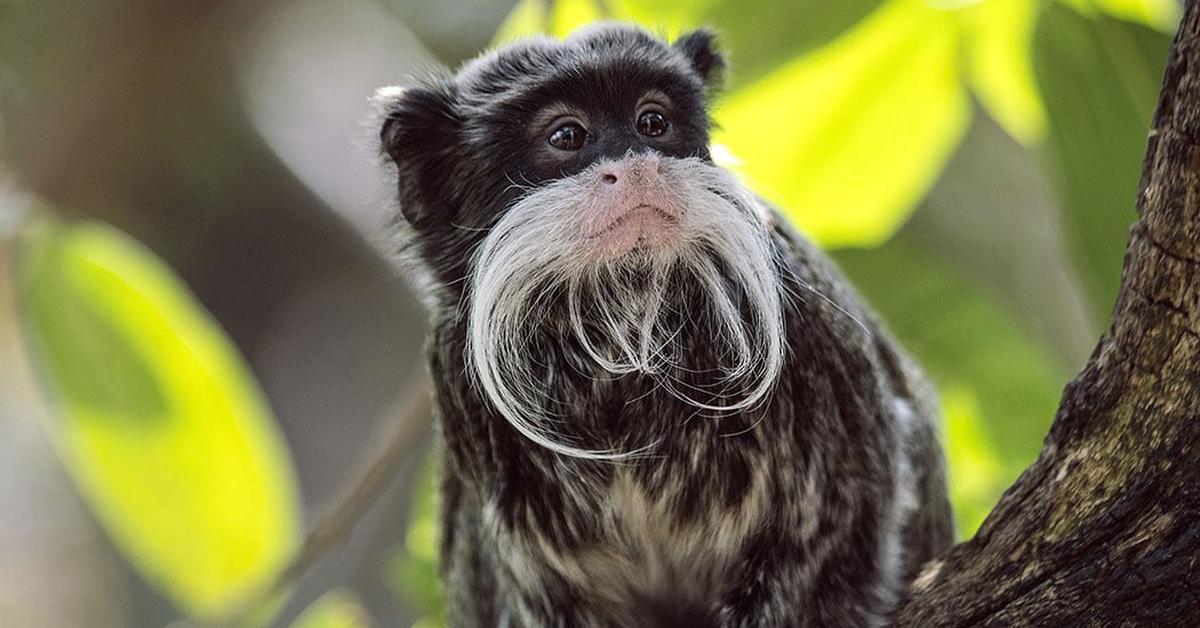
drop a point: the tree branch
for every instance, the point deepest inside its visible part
(1104, 528)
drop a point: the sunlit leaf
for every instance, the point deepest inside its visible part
(759, 36)
(158, 419)
(665, 18)
(1160, 14)
(976, 474)
(528, 17)
(1100, 79)
(413, 568)
(999, 387)
(559, 18)
(999, 46)
(847, 139)
(568, 15)
(336, 609)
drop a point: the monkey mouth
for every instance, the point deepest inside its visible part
(644, 218)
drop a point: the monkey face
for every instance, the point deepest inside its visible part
(466, 148)
(564, 191)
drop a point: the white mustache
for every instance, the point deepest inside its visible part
(537, 251)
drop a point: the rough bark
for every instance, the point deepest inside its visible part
(1104, 528)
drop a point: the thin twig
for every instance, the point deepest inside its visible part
(406, 426)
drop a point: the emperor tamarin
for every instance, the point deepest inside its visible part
(658, 404)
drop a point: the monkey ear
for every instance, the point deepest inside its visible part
(701, 50)
(421, 131)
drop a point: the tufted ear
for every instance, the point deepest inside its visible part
(701, 50)
(422, 133)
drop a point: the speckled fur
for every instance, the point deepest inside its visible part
(810, 509)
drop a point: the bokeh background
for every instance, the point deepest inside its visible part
(199, 341)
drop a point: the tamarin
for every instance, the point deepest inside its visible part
(657, 403)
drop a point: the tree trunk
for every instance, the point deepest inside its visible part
(1104, 529)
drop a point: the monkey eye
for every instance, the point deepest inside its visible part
(570, 136)
(652, 124)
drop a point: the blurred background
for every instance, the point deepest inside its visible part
(199, 341)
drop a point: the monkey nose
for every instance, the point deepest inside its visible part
(639, 170)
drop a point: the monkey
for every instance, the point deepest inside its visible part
(657, 404)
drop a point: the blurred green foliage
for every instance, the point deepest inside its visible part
(845, 119)
(1100, 77)
(998, 386)
(336, 609)
(414, 568)
(159, 422)
(848, 138)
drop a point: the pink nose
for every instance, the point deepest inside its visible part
(631, 207)
(639, 171)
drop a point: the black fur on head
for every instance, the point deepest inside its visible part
(700, 47)
(465, 147)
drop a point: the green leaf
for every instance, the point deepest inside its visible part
(847, 139)
(761, 35)
(558, 18)
(668, 18)
(561, 17)
(977, 475)
(1161, 14)
(999, 388)
(999, 36)
(1100, 79)
(528, 17)
(414, 567)
(158, 420)
(336, 609)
